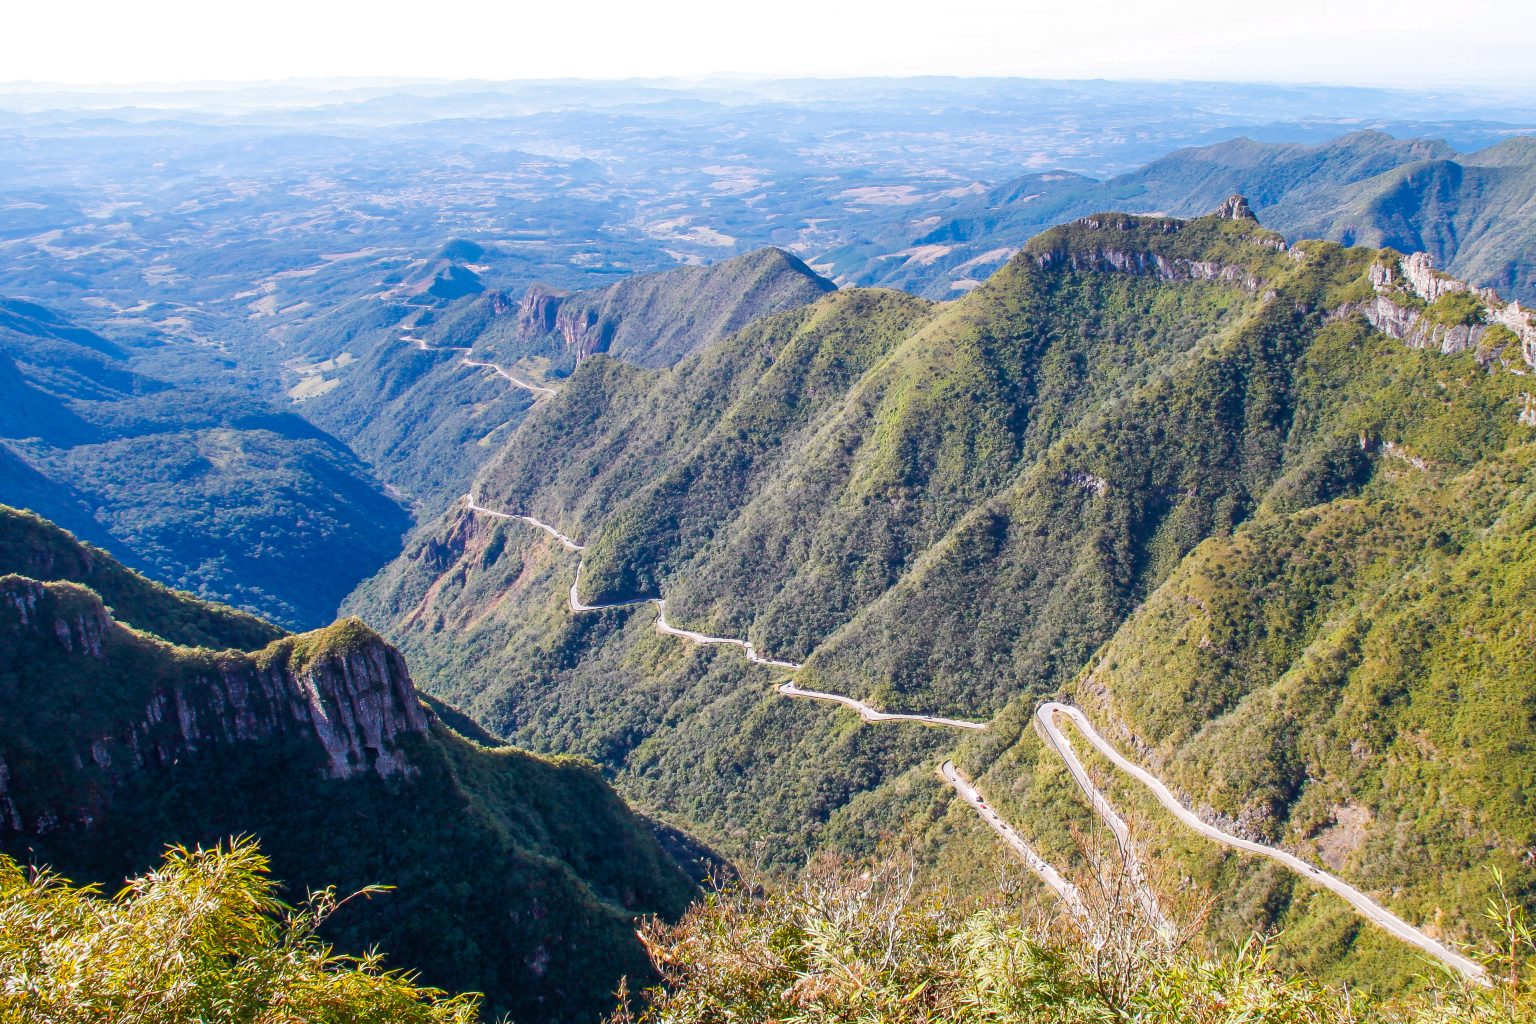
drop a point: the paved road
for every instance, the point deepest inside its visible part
(700, 638)
(421, 343)
(1130, 857)
(537, 389)
(1064, 890)
(868, 713)
(571, 545)
(577, 605)
(1046, 715)
(1360, 901)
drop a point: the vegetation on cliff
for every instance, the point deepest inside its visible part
(509, 874)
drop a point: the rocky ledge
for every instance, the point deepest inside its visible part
(112, 701)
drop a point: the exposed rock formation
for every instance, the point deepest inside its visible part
(536, 313)
(135, 702)
(1101, 258)
(1236, 208)
(1415, 275)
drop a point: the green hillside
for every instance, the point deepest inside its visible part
(953, 509)
(208, 488)
(427, 422)
(512, 874)
(1474, 213)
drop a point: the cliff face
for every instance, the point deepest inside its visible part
(1080, 247)
(536, 312)
(1408, 293)
(134, 703)
(509, 874)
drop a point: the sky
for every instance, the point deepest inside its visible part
(1405, 43)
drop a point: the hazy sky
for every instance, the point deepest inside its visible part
(1400, 42)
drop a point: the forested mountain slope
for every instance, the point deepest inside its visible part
(952, 509)
(513, 875)
(426, 419)
(207, 487)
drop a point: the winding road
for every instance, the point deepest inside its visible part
(1045, 716)
(868, 713)
(1129, 856)
(570, 545)
(516, 381)
(1375, 912)
(1065, 891)
(537, 389)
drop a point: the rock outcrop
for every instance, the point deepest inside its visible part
(1506, 335)
(1236, 208)
(536, 312)
(134, 702)
(1151, 247)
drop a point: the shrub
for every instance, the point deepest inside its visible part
(202, 938)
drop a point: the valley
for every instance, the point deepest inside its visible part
(658, 529)
(503, 602)
(1046, 717)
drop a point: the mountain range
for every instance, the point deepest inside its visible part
(1472, 212)
(766, 462)
(1200, 480)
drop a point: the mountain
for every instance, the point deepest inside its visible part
(426, 419)
(657, 319)
(952, 509)
(1474, 214)
(208, 487)
(136, 716)
(1471, 212)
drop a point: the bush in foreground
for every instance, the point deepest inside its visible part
(865, 946)
(203, 938)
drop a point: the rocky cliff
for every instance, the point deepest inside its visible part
(1415, 302)
(135, 702)
(1081, 247)
(508, 874)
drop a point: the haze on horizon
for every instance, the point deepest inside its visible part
(1481, 44)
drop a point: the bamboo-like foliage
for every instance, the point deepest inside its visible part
(201, 938)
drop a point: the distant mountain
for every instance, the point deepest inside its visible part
(1473, 213)
(1245, 466)
(208, 487)
(657, 319)
(412, 407)
(135, 716)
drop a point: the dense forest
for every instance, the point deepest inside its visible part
(507, 874)
(954, 508)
